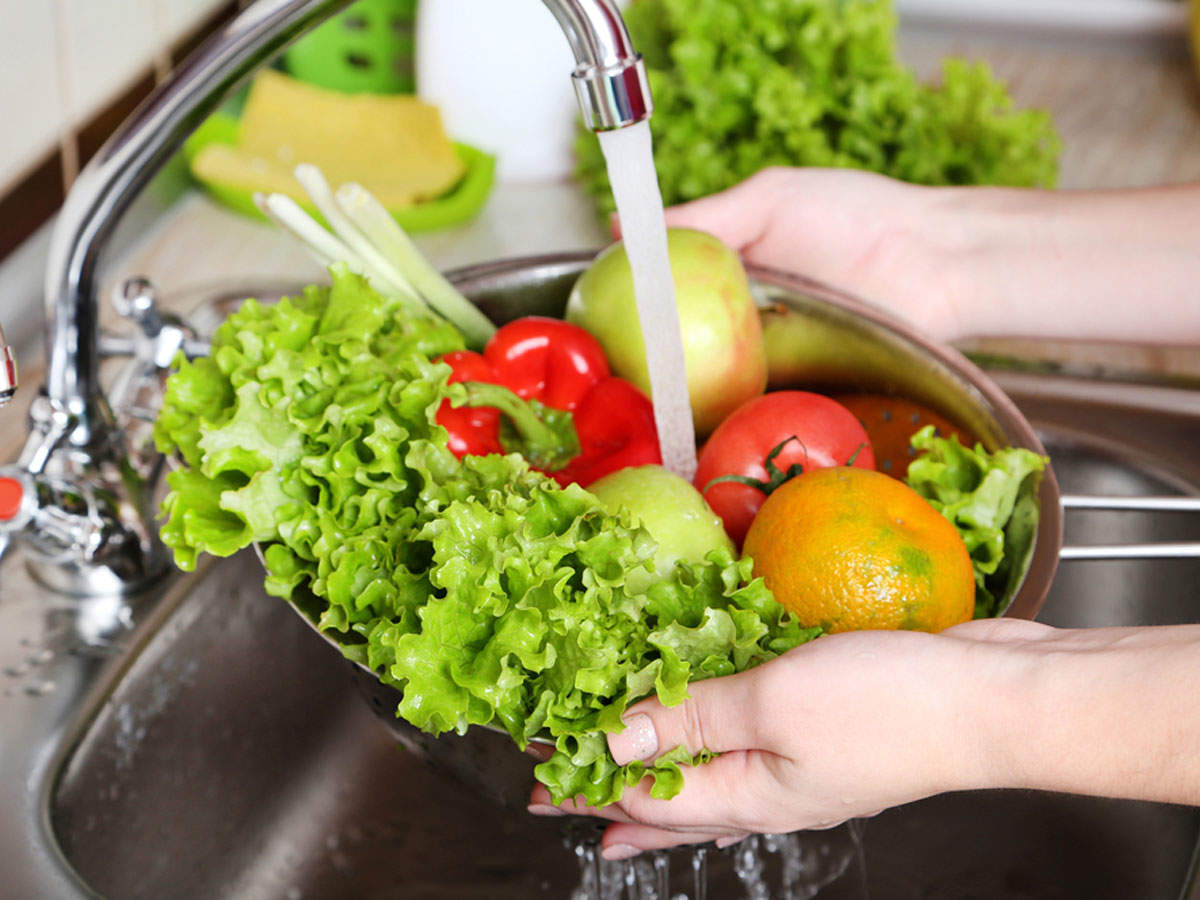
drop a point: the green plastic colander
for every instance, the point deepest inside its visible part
(368, 48)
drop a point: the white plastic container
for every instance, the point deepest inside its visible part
(500, 70)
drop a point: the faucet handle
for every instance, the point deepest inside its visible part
(136, 393)
(135, 299)
(62, 523)
(85, 531)
(86, 520)
(162, 335)
(12, 498)
(8, 372)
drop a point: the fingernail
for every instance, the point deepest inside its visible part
(724, 842)
(619, 851)
(637, 741)
(541, 809)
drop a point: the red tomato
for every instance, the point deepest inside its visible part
(808, 431)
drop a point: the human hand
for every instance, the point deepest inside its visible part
(968, 261)
(881, 240)
(838, 728)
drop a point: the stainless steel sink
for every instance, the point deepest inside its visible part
(220, 749)
(228, 754)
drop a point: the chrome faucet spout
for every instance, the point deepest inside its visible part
(610, 77)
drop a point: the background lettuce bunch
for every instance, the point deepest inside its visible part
(740, 85)
(484, 591)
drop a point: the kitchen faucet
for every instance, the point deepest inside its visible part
(80, 495)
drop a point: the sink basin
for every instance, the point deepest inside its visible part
(234, 758)
(219, 748)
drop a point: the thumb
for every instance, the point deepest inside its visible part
(720, 714)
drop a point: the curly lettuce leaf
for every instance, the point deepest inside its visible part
(579, 772)
(481, 589)
(992, 499)
(297, 421)
(532, 627)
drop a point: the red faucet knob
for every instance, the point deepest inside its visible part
(11, 495)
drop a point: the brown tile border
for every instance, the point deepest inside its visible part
(92, 135)
(29, 203)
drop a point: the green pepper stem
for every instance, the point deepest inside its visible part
(542, 434)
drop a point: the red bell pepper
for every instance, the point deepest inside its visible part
(542, 387)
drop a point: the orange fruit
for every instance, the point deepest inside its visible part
(891, 422)
(849, 549)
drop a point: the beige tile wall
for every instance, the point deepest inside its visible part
(62, 61)
(30, 114)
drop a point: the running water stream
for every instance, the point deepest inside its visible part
(630, 161)
(791, 866)
(764, 867)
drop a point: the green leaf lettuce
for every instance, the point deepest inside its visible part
(481, 589)
(992, 498)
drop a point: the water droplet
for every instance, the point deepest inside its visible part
(847, 800)
(294, 893)
(749, 868)
(41, 656)
(15, 671)
(700, 873)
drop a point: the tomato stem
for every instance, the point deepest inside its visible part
(775, 477)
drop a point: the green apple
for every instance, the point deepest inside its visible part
(722, 338)
(671, 509)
